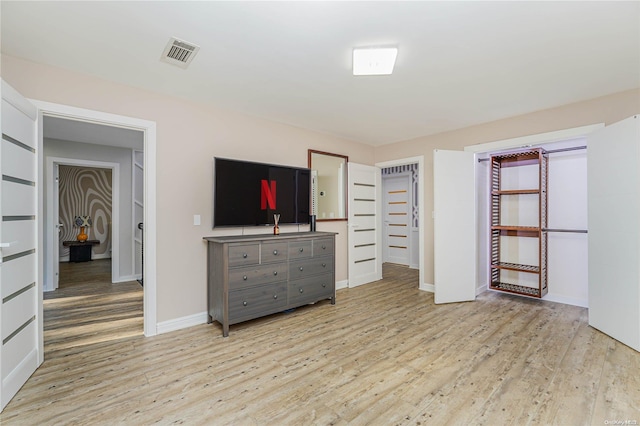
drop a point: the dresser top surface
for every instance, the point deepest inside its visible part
(267, 237)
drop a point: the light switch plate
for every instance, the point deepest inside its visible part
(196, 219)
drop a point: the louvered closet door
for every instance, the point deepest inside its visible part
(20, 309)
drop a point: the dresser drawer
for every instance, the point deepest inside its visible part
(312, 289)
(255, 302)
(309, 267)
(244, 254)
(300, 249)
(274, 252)
(323, 247)
(256, 275)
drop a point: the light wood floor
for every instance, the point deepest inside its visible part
(384, 354)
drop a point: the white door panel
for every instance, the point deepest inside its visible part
(17, 311)
(17, 162)
(20, 359)
(454, 226)
(20, 290)
(365, 236)
(14, 124)
(17, 274)
(18, 199)
(19, 234)
(613, 216)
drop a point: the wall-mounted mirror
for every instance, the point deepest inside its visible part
(329, 185)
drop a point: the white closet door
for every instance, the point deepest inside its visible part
(365, 233)
(454, 202)
(613, 174)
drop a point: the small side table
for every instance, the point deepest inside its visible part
(80, 251)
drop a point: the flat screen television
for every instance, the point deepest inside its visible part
(249, 194)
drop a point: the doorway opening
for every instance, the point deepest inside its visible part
(403, 214)
(400, 215)
(96, 130)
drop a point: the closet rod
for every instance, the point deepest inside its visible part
(552, 151)
(577, 231)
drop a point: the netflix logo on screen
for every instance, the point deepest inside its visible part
(247, 193)
(267, 194)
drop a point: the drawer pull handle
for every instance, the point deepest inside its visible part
(244, 255)
(301, 291)
(301, 268)
(275, 252)
(275, 296)
(244, 277)
(301, 249)
(324, 247)
(324, 265)
(275, 272)
(244, 303)
(324, 284)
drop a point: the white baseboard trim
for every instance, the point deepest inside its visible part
(125, 278)
(180, 323)
(342, 284)
(428, 287)
(550, 297)
(481, 289)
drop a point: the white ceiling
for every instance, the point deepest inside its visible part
(459, 63)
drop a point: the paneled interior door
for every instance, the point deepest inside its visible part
(138, 210)
(20, 289)
(365, 223)
(397, 218)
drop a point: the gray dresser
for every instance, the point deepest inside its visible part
(251, 276)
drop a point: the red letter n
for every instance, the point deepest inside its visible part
(267, 194)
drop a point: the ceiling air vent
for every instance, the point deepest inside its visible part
(179, 52)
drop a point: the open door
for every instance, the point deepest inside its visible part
(613, 176)
(58, 227)
(365, 223)
(21, 348)
(454, 202)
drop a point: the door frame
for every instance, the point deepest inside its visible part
(149, 130)
(421, 229)
(482, 229)
(52, 254)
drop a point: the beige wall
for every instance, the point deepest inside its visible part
(608, 109)
(189, 135)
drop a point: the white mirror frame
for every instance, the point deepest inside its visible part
(329, 185)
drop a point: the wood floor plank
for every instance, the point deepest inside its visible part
(384, 354)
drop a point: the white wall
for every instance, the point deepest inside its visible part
(81, 151)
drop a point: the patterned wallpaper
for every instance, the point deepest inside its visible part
(86, 191)
(413, 169)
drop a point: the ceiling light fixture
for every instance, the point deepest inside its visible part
(374, 60)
